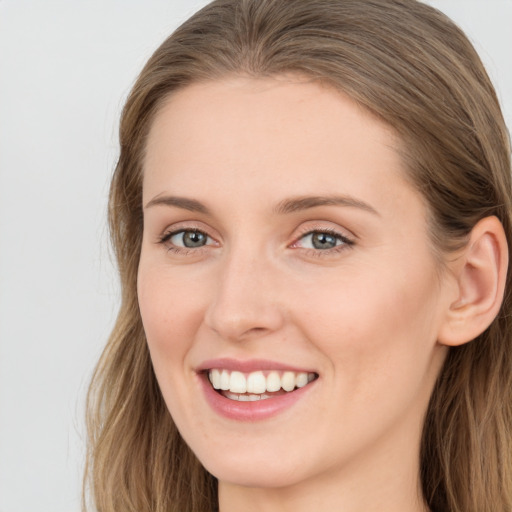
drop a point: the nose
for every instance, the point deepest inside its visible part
(246, 299)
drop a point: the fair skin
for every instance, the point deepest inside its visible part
(239, 272)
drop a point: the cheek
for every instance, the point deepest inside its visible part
(170, 311)
(375, 327)
(170, 316)
(381, 349)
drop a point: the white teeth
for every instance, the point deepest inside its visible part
(288, 381)
(215, 379)
(301, 380)
(249, 398)
(237, 382)
(256, 383)
(224, 380)
(253, 385)
(273, 382)
(246, 397)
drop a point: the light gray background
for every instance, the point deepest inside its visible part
(65, 68)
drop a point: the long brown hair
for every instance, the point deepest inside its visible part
(412, 67)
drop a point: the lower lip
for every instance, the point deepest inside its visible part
(251, 411)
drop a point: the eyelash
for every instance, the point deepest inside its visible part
(182, 250)
(345, 244)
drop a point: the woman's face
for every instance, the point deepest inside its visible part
(284, 250)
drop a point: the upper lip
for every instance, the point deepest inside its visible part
(248, 366)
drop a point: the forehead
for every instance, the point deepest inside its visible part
(266, 135)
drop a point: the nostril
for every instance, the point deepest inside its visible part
(243, 307)
(257, 330)
(243, 327)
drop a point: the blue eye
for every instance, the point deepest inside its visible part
(189, 239)
(322, 240)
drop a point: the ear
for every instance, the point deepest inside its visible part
(480, 274)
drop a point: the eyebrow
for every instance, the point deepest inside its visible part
(179, 202)
(284, 207)
(304, 203)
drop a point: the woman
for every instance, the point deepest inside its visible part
(310, 214)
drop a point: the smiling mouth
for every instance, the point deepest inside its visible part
(258, 385)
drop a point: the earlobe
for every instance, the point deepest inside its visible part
(480, 274)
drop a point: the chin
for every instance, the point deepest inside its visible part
(255, 475)
(276, 465)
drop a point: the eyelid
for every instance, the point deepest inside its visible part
(325, 227)
(186, 225)
(164, 238)
(346, 237)
(171, 233)
(169, 236)
(338, 236)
